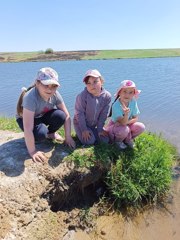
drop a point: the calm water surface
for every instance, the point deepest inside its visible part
(158, 78)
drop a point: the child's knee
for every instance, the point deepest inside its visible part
(140, 128)
(40, 133)
(60, 115)
(90, 141)
(122, 132)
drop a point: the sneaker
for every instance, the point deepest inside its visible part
(121, 145)
(55, 136)
(130, 144)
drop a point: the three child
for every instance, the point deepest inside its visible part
(41, 111)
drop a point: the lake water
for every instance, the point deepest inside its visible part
(158, 78)
(159, 103)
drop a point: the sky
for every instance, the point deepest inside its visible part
(66, 25)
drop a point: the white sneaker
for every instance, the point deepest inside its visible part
(121, 145)
(130, 144)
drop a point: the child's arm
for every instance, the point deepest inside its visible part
(104, 115)
(67, 126)
(80, 106)
(124, 120)
(28, 123)
(133, 120)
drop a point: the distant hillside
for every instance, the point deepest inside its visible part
(85, 55)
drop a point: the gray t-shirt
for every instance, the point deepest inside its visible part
(35, 103)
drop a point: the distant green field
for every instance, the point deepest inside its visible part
(94, 54)
(136, 53)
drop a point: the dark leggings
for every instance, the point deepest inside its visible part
(50, 122)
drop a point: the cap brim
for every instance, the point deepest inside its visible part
(136, 94)
(49, 82)
(91, 75)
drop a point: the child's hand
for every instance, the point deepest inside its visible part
(86, 135)
(125, 109)
(38, 156)
(70, 142)
(103, 133)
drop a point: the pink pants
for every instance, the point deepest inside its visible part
(119, 133)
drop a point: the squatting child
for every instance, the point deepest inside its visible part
(41, 111)
(123, 126)
(91, 109)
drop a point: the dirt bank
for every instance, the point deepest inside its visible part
(37, 201)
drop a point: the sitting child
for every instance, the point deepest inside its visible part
(123, 126)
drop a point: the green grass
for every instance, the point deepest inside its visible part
(144, 173)
(9, 124)
(136, 53)
(134, 175)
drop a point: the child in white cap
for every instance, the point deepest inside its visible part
(91, 110)
(123, 126)
(41, 111)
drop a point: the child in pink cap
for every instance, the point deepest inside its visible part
(123, 126)
(91, 110)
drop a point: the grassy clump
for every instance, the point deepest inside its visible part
(142, 173)
(134, 175)
(101, 155)
(9, 124)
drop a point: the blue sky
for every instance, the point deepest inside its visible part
(34, 25)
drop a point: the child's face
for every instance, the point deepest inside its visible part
(46, 91)
(126, 94)
(94, 86)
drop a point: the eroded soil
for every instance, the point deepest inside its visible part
(55, 200)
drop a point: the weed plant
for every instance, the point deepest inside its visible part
(142, 173)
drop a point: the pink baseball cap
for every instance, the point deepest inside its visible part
(128, 84)
(93, 73)
(47, 76)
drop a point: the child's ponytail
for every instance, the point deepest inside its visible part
(19, 103)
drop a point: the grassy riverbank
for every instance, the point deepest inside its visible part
(85, 55)
(132, 175)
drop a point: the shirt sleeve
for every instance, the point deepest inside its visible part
(135, 109)
(59, 98)
(29, 102)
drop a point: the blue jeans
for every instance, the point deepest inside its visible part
(50, 122)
